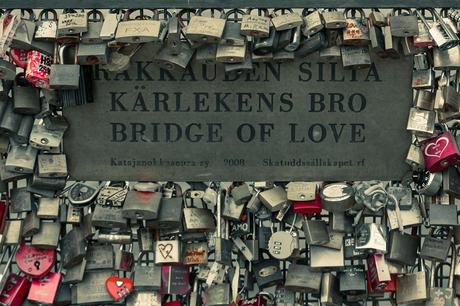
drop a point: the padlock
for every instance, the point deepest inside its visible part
(112, 194)
(26, 97)
(74, 215)
(12, 232)
(48, 236)
(422, 79)
(72, 23)
(392, 43)
(146, 278)
(377, 37)
(403, 248)
(355, 57)
(202, 29)
(334, 19)
(7, 70)
(284, 297)
(352, 280)
(37, 72)
(403, 23)
(218, 295)
(44, 290)
(173, 59)
(443, 215)
(330, 294)
(286, 20)
(25, 127)
(48, 208)
(175, 279)
(62, 75)
(439, 294)
(356, 32)
(99, 257)
(15, 290)
(412, 287)
(52, 165)
(451, 181)
(206, 53)
(92, 289)
(371, 236)
(24, 33)
(301, 278)
(231, 210)
(124, 259)
(31, 224)
(232, 31)
(256, 25)
(337, 197)
(93, 34)
(421, 122)
(241, 193)
(440, 32)
(245, 67)
(119, 288)
(195, 253)
(316, 232)
(446, 59)
(424, 99)
(436, 248)
(326, 259)
(308, 207)
(43, 138)
(283, 244)
(21, 200)
(440, 152)
(168, 251)
(313, 22)
(141, 205)
(450, 95)
(274, 199)
(46, 27)
(35, 262)
(73, 248)
(108, 217)
(92, 54)
(377, 18)
(151, 298)
(21, 159)
(267, 273)
(378, 273)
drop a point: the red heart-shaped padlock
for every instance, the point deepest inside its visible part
(33, 261)
(119, 287)
(19, 57)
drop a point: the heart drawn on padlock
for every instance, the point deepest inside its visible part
(33, 261)
(165, 250)
(119, 287)
(436, 149)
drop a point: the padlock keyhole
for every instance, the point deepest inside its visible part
(37, 264)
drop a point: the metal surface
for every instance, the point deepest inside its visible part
(227, 4)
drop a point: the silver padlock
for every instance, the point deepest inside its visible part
(202, 29)
(274, 199)
(21, 159)
(44, 138)
(72, 23)
(421, 122)
(95, 22)
(110, 24)
(52, 165)
(288, 19)
(46, 26)
(313, 22)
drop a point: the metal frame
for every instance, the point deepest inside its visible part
(107, 4)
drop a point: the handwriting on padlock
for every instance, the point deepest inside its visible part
(165, 250)
(437, 148)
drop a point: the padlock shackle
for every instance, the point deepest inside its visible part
(260, 11)
(181, 19)
(353, 13)
(199, 12)
(236, 15)
(43, 16)
(95, 15)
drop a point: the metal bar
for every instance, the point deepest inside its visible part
(227, 4)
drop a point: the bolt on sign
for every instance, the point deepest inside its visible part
(304, 120)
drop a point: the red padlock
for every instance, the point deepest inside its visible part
(33, 261)
(172, 303)
(308, 207)
(15, 290)
(19, 57)
(390, 287)
(440, 152)
(38, 69)
(119, 287)
(378, 273)
(44, 290)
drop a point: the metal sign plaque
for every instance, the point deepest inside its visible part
(304, 120)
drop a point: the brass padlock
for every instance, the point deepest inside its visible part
(72, 23)
(256, 25)
(313, 22)
(288, 19)
(334, 19)
(356, 33)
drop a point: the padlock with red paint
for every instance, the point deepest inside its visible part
(440, 152)
(390, 286)
(15, 290)
(172, 303)
(256, 301)
(308, 207)
(44, 290)
(35, 262)
(38, 69)
(19, 57)
(378, 273)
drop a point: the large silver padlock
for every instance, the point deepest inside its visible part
(72, 23)
(421, 122)
(203, 29)
(140, 30)
(355, 57)
(403, 23)
(62, 75)
(26, 97)
(95, 22)
(274, 199)
(44, 138)
(52, 165)
(92, 54)
(21, 159)
(24, 34)
(439, 31)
